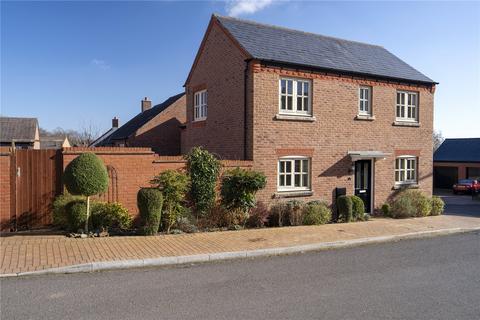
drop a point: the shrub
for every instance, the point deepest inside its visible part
(86, 175)
(76, 215)
(150, 202)
(316, 213)
(203, 169)
(358, 208)
(59, 209)
(239, 187)
(295, 212)
(438, 206)
(258, 217)
(279, 215)
(386, 210)
(403, 207)
(345, 208)
(110, 215)
(174, 185)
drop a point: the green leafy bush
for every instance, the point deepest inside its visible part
(258, 216)
(386, 210)
(295, 212)
(279, 215)
(438, 206)
(174, 186)
(110, 215)
(150, 202)
(316, 214)
(76, 215)
(345, 208)
(239, 187)
(403, 207)
(203, 169)
(59, 209)
(86, 175)
(411, 203)
(358, 208)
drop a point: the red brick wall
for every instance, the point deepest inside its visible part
(335, 132)
(163, 132)
(5, 188)
(219, 68)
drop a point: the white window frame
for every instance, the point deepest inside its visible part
(407, 172)
(294, 95)
(402, 110)
(365, 101)
(292, 173)
(200, 105)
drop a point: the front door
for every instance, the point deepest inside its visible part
(363, 182)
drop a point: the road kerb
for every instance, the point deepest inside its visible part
(179, 260)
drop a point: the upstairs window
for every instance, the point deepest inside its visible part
(405, 170)
(294, 174)
(407, 106)
(295, 96)
(365, 101)
(200, 106)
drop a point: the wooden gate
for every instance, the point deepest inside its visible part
(37, 182)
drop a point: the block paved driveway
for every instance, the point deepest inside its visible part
(24, 253)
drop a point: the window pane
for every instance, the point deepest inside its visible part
(283, 101)
(289, 103)
(290, 87)
(282, 180)
(397, 176)
(288, 180)
(288, 166)
(283, 85)
(298, 165)
(299, 104)
(282, 166)
(305, 88)
(305, 104)
(305, 166)
(299, 88)
(297, 180)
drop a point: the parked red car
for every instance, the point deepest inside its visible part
(466, 186)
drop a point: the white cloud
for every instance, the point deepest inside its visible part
(102, 64)
(239, 7)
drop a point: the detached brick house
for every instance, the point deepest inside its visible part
(157, 127)
(314, 113)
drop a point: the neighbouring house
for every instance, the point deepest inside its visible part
(456, 159)
(20, 133)
(106, 135)
(318, 115)
(157, 127)
(54, 142)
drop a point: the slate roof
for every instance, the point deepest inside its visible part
(277, 44)
(140, 119)
(458, 150)
(18, 129)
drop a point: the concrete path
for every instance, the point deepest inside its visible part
(24, 254)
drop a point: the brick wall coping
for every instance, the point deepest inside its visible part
(163, 159)
(108, 150)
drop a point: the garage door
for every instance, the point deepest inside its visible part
(473, 173)
(444, 177)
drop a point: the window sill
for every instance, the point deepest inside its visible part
(292, 194)
(406, 124)
(295, 117)
(405, 186)
(364, 117)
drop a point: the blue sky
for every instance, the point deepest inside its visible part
(75, 63)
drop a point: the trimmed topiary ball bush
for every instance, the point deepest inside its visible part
(358, 208)
(316, 214)
(345, 208)
(150, 202)
(86, 175)
(76, 215)
(386, 210)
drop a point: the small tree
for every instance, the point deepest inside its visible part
(86, 175)
(239, 187)
(150, 202)
(174, 185)
(203, 169)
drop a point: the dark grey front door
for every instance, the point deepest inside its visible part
(363, 182)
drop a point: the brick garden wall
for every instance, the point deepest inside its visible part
(5, 187)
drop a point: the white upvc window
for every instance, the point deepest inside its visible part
(295, 96)
(293, 173)
(365, 101)
(200, 106)
(407, 106)
(406, 170)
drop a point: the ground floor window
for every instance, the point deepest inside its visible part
(294, 173)
(406, 170)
